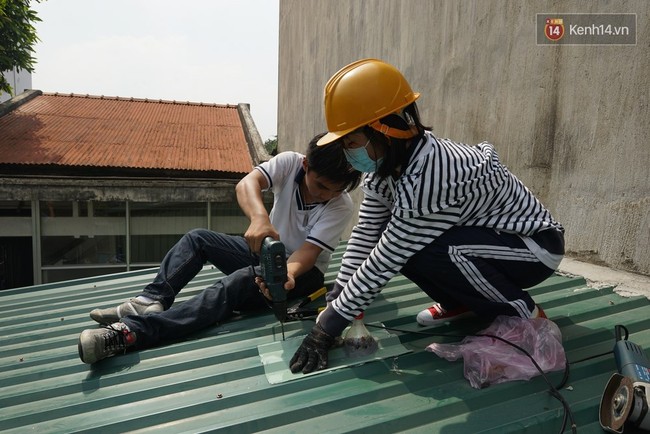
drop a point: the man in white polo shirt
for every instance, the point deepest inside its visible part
(311, 207)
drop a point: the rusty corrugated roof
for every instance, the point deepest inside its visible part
(215, 380)
(99, 131)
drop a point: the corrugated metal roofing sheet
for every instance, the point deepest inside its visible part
(76, 130)
(215, 381)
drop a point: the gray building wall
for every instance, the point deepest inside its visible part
(571, 121)
(54, 229)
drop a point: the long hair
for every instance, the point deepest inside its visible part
(395, 150)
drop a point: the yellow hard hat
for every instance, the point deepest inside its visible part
(360, 94)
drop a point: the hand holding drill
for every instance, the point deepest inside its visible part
(273, 262)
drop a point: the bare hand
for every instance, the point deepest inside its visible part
(263, 289)
(256, 233)
(288, 285)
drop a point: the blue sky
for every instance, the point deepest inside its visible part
(211, 51)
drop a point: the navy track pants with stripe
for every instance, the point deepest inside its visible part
(481, 269)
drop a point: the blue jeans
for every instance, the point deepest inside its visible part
(236, 291)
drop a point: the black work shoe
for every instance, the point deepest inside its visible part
(98, 344)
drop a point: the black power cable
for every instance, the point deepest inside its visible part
(568, 414)
(553, 390)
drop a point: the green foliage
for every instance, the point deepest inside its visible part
(271, 145)
(17, 38)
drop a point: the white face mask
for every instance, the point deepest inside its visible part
(361, 161)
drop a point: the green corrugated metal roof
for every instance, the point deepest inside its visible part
(216, 381)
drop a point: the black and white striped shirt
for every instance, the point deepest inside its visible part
(445, 184)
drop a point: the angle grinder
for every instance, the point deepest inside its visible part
(273, 262)
(625, 400)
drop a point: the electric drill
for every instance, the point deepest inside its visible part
(273, 261)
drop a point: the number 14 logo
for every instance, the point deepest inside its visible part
(554, 28)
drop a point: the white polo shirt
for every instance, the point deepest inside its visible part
(319, 223)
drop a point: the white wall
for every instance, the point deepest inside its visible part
(18, 80)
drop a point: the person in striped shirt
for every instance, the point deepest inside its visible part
(448, 216)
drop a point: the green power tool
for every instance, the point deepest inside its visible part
(273, 261)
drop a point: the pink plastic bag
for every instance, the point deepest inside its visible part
(491, 361)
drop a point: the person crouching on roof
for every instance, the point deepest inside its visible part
(448, 216)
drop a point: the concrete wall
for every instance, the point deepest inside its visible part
(571, 121)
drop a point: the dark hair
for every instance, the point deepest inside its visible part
(395, 150)
(329, 161)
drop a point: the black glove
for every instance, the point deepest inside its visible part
(312, 353)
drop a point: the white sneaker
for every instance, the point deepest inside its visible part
(131, 307)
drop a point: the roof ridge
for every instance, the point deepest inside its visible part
(18, 100)
(150, 100)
